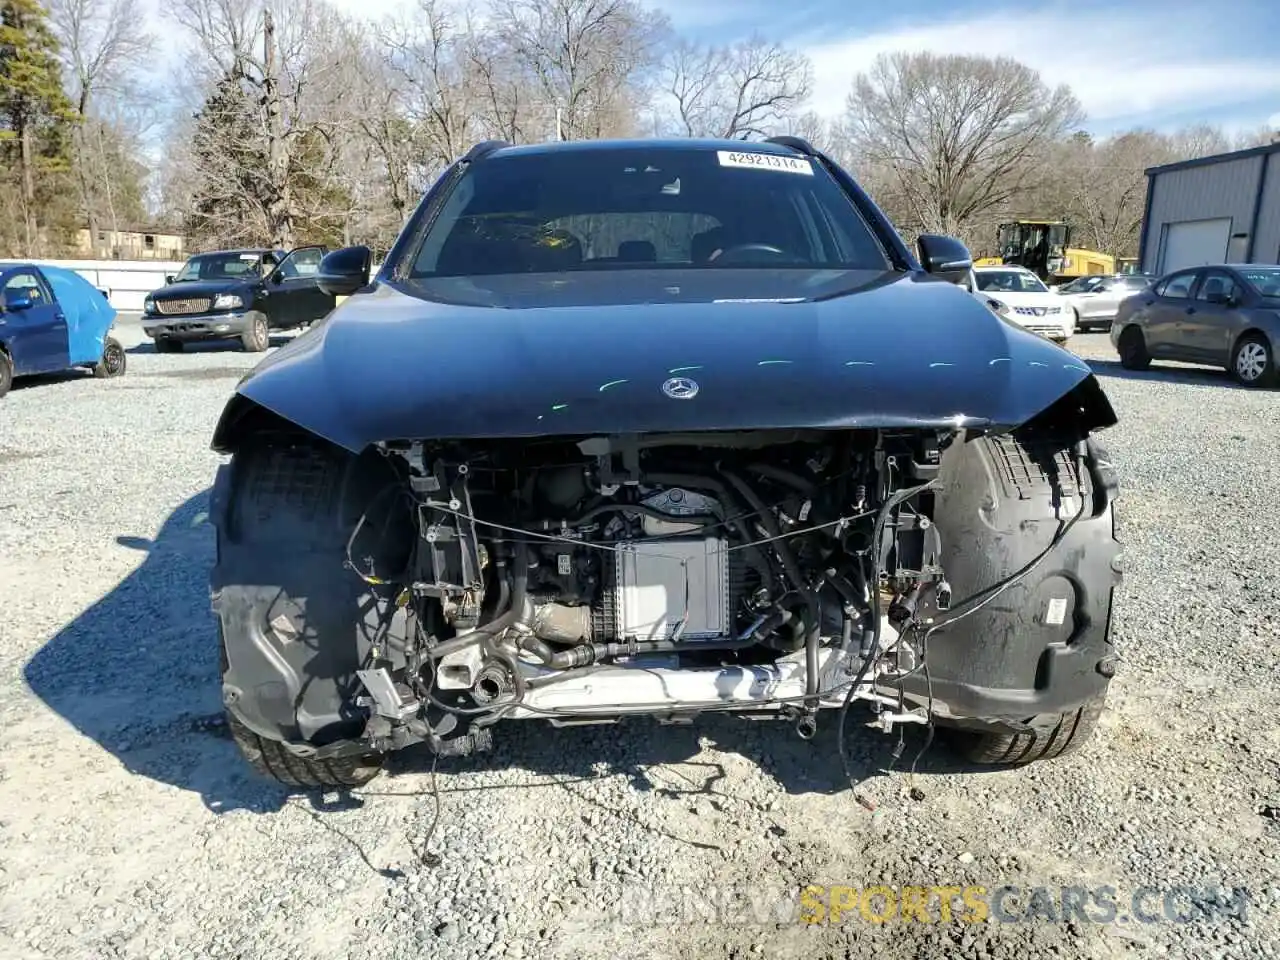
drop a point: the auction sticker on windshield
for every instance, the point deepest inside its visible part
(764, 161)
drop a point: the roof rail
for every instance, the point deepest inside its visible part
(795, 143)
(483, 149)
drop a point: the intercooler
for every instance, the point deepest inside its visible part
(681, 588)
(672, 589)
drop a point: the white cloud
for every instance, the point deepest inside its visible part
(1273, 121)
(1121, 68)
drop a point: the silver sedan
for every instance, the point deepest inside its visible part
(1095, 300)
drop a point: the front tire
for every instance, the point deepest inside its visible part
(1132, 348)
(1050, 735)
(258, 337)
(113, 362)
(271, 759)
(168, 345)
(1253, 363)
(296, 622)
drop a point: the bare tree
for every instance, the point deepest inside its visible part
(429, 54)
(957, 136)
(749, 89)
(279, 112)
(580, 56)
(1100, 188)
(101, 46)
(815, 128)
(507, 111)
(100, 43)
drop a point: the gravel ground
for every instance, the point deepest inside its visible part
(130, 828)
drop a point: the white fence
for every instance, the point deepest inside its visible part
(126, 282)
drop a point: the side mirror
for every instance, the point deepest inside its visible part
(168, 278)
(16, 299)
(344, 271)
(944, 257)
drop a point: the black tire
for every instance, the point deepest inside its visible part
(1132, 348)
(285, 510)
(271, 759)
(6, 373)
(258, 337)
(1052, 735)
(1079, 325)
(1253, 362)
(113, 362)
(168, 345)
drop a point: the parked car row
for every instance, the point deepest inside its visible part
(53, 319)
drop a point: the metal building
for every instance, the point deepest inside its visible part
(1219, 209)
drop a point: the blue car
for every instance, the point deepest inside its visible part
(54, 319)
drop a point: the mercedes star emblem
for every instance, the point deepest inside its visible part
(680, 388)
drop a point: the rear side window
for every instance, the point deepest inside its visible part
(1177, 288)
(601, 209)
(1220, 284)
(30, 283)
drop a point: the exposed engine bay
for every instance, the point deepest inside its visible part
(583, 580)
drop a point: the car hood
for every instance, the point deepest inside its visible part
(1024, 299)
(199, 288)
(901, 350)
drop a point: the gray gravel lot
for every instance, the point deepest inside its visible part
(130, 828)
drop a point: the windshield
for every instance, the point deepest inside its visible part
(219, 266)
(1011, 281)
(1265, 279)
(639, 208)
(1083, 285)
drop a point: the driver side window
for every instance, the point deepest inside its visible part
(301, 263)
(1177, 288)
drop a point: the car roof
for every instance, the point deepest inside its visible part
(647, 143)
(1012, 266)
(256, 250)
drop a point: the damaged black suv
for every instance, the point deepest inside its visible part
(659, 428)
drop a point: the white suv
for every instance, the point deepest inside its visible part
(1018, 294)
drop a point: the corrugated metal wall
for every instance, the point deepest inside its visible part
(1266, 242)
(1216, 190)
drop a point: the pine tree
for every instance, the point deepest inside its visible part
(35, 115)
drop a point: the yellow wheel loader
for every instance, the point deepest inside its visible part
(1043, 246)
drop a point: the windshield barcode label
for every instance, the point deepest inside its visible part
(764, 161)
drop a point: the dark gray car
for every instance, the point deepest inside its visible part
(1227, 316)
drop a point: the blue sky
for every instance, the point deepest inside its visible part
(1130, 62)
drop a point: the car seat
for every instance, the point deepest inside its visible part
(637, 251)
(704, 244)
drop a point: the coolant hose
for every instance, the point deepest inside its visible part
(519, 584)
(793, 574)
